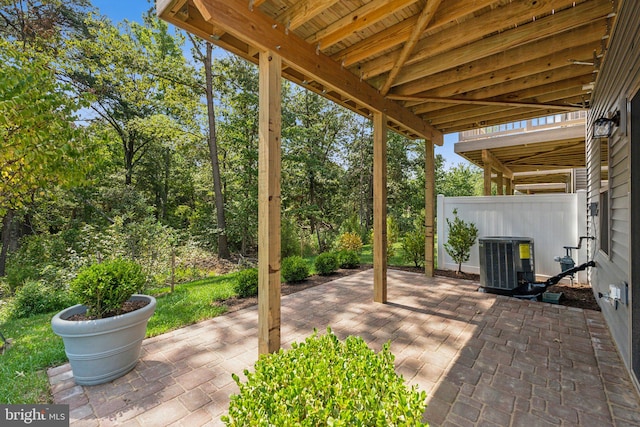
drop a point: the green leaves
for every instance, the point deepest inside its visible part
(104, 287)
(462, 235)
(40, 142)
(325, 381)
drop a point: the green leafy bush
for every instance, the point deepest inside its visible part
(349, 241)
(326, 263)
(37, 297)
(294, 269)
(348, 259)
(104, 287)
(413, 245)
(462, 235)
(247, 283)
(326, 382)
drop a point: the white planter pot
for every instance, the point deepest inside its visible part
(102, 350)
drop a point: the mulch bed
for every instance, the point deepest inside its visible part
(580, 296)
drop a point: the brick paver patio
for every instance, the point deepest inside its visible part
(484, 360)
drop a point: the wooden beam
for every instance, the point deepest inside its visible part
(509, 186)
(575, 44)
(438, 55)
(489, 158)
(500, 183)
(449, 11)
(367, 15)
(423, 20)
(481, 102)
(487, 178)
(257, 29)
(303, 11)
(429, 208)
(379, 208)
(269, 202)
(255, 3)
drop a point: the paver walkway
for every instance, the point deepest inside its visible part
(484, 360)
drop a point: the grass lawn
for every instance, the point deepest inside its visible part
(23, 376)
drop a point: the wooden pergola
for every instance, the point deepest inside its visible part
(420, 68)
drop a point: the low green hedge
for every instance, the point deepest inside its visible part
(246, 284)
(294, 269)
(349, 259)
(326, 382)
(326, 263)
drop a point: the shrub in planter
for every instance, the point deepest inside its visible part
(103, 288)
(294, 269)
(325, 381)
(348, 259)
(103, 335)
(326, 263)
(247, 283)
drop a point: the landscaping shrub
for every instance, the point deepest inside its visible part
(325, 382)
(413, 247)
(462, 235)
(104, 287)
(326, 263)
(348, 259)
(349, 241)
(247, 283)
(37, 297)
(294, 269)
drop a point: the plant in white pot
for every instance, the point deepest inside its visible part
(103, 334)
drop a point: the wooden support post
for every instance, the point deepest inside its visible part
(379, 207)
(509, 187)
(500, 182)
(487, 179)
(269, 203)
(429, 207)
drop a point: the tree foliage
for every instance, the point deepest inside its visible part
(461, 237)
(40, 143)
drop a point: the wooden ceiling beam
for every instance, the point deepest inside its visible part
(258, 30)
(372, 12)
(449, 11)
(303, 11)
(537, 83)
(483, 77)
(496, 164)
(508, 117)
(457, 101)
(423, 20)
(439, 59)
(253, 3)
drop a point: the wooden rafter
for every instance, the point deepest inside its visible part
(481, 102)
(449, 11)
(367, 15)
(489, 158)
(423, 20)
(303, 11)
(444, 53)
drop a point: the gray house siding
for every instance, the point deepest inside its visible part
(617, 83)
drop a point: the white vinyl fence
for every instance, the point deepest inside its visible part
(551, 220)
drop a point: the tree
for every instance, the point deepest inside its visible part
(462, 235)
(39, 139)
(212, 141)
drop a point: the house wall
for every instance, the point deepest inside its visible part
(617, 83)
(551, 220)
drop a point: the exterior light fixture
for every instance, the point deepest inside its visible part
(603, 127)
